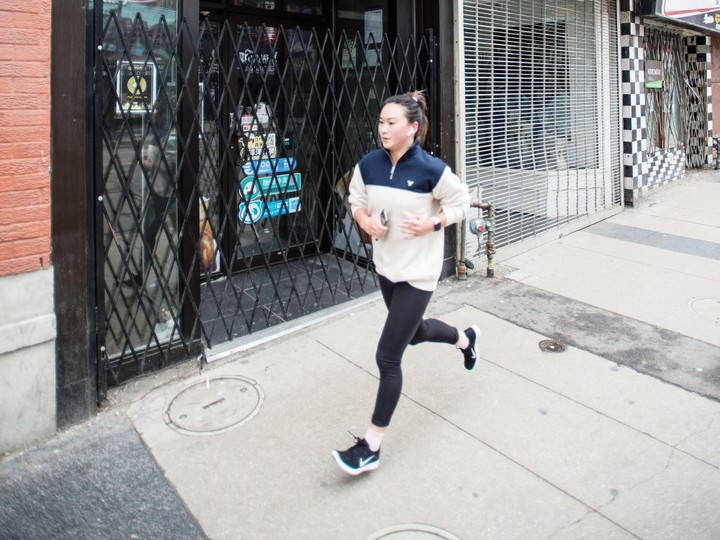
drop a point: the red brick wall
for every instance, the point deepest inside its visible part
(24, 136)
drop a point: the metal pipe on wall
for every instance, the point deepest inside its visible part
(489, 226)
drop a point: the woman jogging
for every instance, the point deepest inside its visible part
(402, 197)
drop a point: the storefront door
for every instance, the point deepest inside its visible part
(262, 175)
(259, 178)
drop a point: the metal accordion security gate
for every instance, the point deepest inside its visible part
(541, 115)
(668, 118)
(222, 155)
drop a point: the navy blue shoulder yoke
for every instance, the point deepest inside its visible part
(416, 171)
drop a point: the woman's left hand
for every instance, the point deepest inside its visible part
(416, 226)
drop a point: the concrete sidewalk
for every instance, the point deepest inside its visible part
(616, 437)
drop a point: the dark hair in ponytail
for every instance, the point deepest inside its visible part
(415, 105)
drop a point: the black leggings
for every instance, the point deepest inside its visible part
(404, 326)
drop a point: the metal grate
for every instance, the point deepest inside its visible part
(541, 112)
(667, 107)
(224, 155)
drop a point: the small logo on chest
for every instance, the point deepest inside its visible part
(410, 183)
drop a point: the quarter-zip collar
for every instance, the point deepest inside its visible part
(414, 149)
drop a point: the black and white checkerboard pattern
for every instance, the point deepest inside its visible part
(663, 167)
(698, 55)
(633, 98)
(643, 171)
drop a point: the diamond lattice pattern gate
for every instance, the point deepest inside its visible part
(222, 162)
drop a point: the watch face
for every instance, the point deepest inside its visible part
(437, 224)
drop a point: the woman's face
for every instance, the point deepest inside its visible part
(396, 133)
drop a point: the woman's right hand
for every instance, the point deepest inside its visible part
(371, 225)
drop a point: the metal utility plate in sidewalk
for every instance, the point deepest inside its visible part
(214, 405)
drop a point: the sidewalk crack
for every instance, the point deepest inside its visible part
(616, 493)
(695, 434)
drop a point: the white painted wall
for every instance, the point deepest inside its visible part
(27, 359)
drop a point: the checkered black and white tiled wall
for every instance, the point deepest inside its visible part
(634, 129)
(643, 170)
(700, 98)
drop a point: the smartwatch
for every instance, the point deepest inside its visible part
(437, 224)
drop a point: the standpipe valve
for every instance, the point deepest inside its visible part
(478, 226)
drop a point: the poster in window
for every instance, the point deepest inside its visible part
(373, 36)
(373, 26)
(136, 86)
(349, 54)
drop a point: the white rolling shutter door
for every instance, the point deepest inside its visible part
(542, 129)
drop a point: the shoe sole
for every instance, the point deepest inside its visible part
(354, 472)
(474, 348)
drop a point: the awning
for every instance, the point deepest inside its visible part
(701, 15)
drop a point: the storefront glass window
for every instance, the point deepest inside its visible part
(258, 4)
(306, 7)
(367, 17)
(541, 119)
(539, 95)
(267, 168)
(666, 99)
(139, 174)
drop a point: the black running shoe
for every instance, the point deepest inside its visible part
(470, 353)
(358, 458)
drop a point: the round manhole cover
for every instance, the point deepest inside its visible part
(707, 308)
(413, 531)
(214, 405)
(550, 345)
